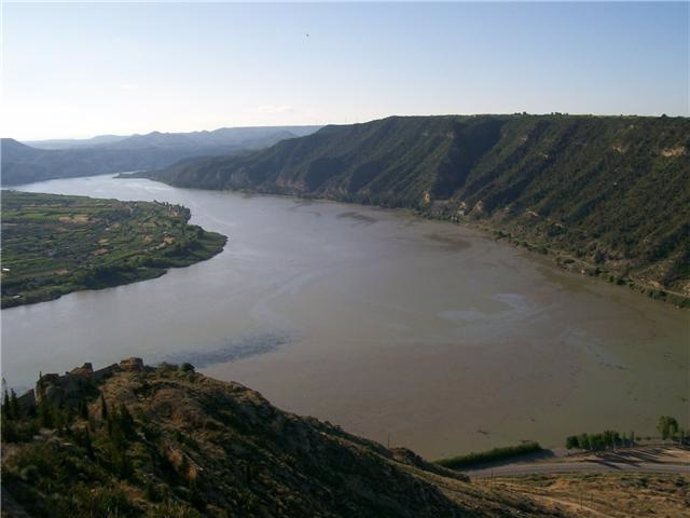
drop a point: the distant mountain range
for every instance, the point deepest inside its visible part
(608, 195)
(42, 160)
(74, 143)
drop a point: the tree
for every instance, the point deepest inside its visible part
(104, 408)
(610, 438)
(6, 408)
(667, 427)
(572, 442)
(88, 446)
(45, 414)
(83, 409)
(584, 442)
(14, 405)
(125, 422)
(597, 441)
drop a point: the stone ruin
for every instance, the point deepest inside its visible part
(68, 388)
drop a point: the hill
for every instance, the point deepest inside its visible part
(605, 195)
(130, 440)
(53, 244)
(108, 154)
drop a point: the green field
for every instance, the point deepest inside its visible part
(54, 244)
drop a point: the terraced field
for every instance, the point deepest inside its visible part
(54, 244)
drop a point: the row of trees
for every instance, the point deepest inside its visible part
(600, 441)
(667, 427)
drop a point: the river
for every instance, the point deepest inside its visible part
(411, 332)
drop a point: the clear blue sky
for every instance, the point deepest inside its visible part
(76, 70)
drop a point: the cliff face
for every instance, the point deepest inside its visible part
(131, 440)
(610, 192)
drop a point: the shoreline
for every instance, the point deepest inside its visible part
(67, 227)
(559, 257)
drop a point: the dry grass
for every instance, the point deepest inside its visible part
(614, 495)
(672, 454)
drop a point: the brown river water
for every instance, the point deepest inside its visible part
(411, 332)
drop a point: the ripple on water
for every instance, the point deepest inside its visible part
(234, 348)
(463, 315)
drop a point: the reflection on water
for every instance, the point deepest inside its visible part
(357, 216)
(234, 348)
(452, 242)
(388, 325)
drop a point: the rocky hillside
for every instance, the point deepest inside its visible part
(608, 195)
(129, 440)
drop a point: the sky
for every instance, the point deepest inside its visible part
(73, 70)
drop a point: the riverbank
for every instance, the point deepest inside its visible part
(54, 244)
(610, 192)
(644, 458)
(613, 270)
(594, 495)
(604, 265)
(567, 261)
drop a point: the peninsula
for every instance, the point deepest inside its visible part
(53, 244)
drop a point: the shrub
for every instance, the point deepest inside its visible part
(490, 455)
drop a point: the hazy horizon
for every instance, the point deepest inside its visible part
(122, 135)
(78, 70)
(202, 130)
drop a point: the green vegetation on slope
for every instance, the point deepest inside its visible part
(608, 196)
(53, 244)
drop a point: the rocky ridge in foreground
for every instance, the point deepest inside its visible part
(132, 440)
